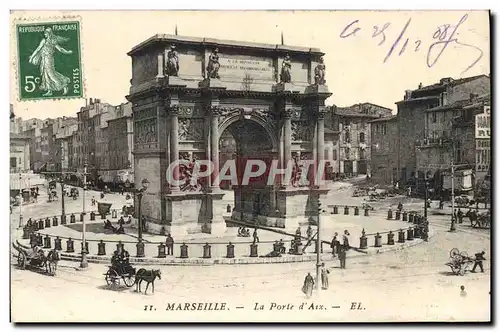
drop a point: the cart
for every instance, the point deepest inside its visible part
(115, 274)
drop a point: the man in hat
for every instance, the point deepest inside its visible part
(342, 256)
(346, 240)
(169, 242)
(478, 261)
(324, 276)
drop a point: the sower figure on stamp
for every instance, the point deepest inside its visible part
(478, 261)
(324, 276)
(308, 286)
(44, 56)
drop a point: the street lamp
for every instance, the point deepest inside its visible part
(140, 192)
(21, 202)
(318, 249)
(84, 264)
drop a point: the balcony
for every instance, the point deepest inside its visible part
(433, 142)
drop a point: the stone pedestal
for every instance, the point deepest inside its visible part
(317, 89)
(175, 81)
(212, 83)
(286, 87)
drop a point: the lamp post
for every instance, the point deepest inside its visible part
(140, 192)
(83, 263)
(63, 215)
(318, 249)
(426, 196)
(21, 202)
(452, 226)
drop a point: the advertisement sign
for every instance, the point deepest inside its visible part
(483, 123)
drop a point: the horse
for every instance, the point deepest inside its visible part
(472, 214)
(148, 276)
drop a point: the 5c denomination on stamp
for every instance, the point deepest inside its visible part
(49, 60)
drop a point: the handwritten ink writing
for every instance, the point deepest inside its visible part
(353, 33)
(441, 34)
(377, 32)
(397, 40)
(444, 35)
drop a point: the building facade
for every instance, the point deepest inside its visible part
(348, 139)
(19, 153)
(425, 118)
(384, 150)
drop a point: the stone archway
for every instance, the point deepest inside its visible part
(253, 140)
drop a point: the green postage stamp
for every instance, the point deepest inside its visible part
(49, 60)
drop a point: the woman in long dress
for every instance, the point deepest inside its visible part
(308, 286)
(43, 57)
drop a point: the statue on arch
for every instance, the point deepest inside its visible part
(286, 70)
(319, 73)
(172, 68)
(213, 64)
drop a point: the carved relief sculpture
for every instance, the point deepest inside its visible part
(172, 67)
(187, 176)
(213, 64)
(319, 72)
(286, 70)
(300, 131)
(190, 130)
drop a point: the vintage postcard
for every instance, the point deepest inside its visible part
(250, 166)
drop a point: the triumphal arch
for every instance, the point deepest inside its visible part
(189, 92)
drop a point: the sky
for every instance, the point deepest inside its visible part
(360, 66)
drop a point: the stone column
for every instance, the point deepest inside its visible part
(320, 137)
(174, 143)
(287, 137)
(214, 145)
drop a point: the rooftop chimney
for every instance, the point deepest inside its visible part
(446, 80)
(407, 94)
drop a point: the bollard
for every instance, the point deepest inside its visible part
(184, 251)
(54, 221)
(411, 217)
(335, 209)
(230, 250)
(92, 216)
(228, 208)
(390, 238)
(119, 246)
(70, 246)
(207, 251)
(346, 210)
(25, 233)
(398, 215)
(409, 234)
(363, 240)
(389, 214)
(41, 224)
(32, 239)
(161, 250)
(47, 220)
(57, 243)
(40, 240)
(140, 248)
(72, 218)
(378, 240)
(367, 212)
(46, 242)
(276, 247)
(416, 232)
(405, 216)
(356, 211)
(47, 223)
(82, 216)
(254, 250)
(401, 236)
(101, 248)
(63, 219)
(114, 214)
(86, 247)
(299, 248)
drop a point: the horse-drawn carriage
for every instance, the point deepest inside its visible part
(116, 273)
(36, 258)
(459, 262)
(479, 220)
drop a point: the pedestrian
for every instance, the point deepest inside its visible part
(441, 204)
(408, 191)
(463, 293)
(324, 276)
(342, 256)
(169, 242)
(255, 236)
(308, 286)
(346, 240)
(334, 244)
(309, 233)
(400, 206)
(478, 261)
(429, 203)
(460, 216)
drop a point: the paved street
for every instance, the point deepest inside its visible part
(412, 284)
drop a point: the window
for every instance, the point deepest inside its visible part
(361, 154)
(334, 154)
(13, 162)
(361, 137)
(434, 117)
(347, 153)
